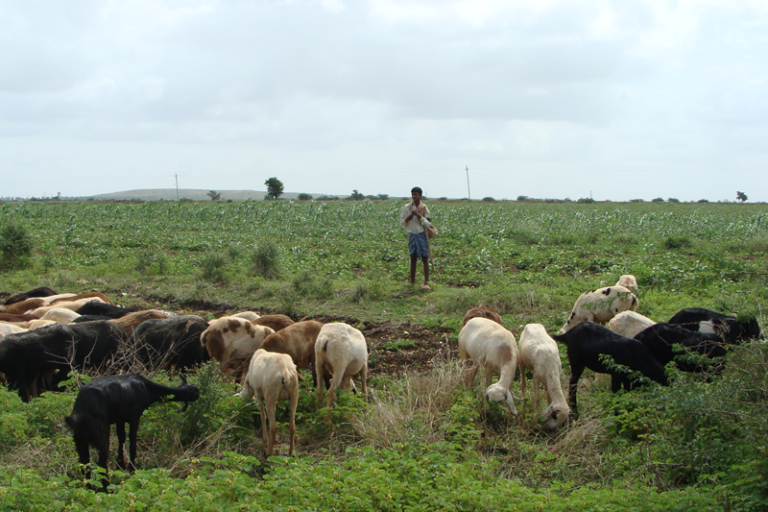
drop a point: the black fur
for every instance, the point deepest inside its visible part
(102, 309)
(727, 327)
(117, 399)
(54, 350)
(42, 291)
(171, 342)
(660, 339)
(585, 344)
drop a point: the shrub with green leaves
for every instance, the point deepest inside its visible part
(266, 260)
(15, 246)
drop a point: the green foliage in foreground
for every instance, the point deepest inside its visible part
(404, 478)
(421, 442)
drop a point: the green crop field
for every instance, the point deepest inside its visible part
(422, 441)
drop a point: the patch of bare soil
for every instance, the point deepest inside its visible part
(394, 349)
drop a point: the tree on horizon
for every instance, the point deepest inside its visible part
(274, 188)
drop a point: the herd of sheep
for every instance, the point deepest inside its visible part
(45, 335)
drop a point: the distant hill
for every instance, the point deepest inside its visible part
(169, 194)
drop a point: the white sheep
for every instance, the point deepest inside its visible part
(490, 345)
(248, 315)
(60, 315)
(629, 282)
(232, 341)
(629, 323)
(272, 377)
(600, 305)
(73, 305)
(341, 351)
(8, 328)
(539, 352)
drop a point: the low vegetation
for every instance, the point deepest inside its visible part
(422, 441)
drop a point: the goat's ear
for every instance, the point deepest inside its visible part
(511, 403)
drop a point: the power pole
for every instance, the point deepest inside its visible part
(469, 195)
(177, 185)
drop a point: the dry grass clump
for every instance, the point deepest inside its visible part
(413, 405)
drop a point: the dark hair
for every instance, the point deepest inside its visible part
(417, 189)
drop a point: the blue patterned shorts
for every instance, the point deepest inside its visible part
(417, 244)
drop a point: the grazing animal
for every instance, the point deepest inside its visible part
(6, 329)
(340, 351)
(47, 300)
(81, 296)
(275, 322)
(131, 321)
(272, 377)
(104, 310)
(19, 308)
(629, 323)
(60, 315)
(170, 342)
(232, 341)
(629, 282)
(539, 352)
(588, 341)
(42, 291)
(54, 350)
(248, 315)
(600, 305)
(490, 345)
(728, 328)
(298, 341)
(5, 317)
(74, 305)
(488, 313)
(118, 399)
(660, 339)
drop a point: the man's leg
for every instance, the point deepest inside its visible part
(426, 270)
(412, 280)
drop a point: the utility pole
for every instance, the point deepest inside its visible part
(177, 185)
(469, 195)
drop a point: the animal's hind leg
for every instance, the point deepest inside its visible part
(133, 433)
(120, 428)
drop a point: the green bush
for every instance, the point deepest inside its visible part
(15, 246)
(213, 267)
(266, 260)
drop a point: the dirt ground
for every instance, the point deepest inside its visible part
(394, 349)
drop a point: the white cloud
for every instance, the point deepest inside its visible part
(325, 86)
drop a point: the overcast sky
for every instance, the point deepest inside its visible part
(547, 98)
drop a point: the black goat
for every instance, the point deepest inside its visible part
(175, 341)
(42, 291)
(103, 310)
(587, 342)
(118, 399)
(728, 328)
(660, 340)
(26, 357)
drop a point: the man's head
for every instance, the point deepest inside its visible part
(416, 194)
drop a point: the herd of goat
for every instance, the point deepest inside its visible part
(45, 335)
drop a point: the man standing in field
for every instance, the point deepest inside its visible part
(414, 217)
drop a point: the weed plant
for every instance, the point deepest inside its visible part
(15, 246)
